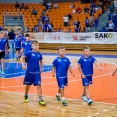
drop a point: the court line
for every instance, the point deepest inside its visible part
(56, 82)
(66, 98)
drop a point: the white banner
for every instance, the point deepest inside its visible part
(68, 37)
(77, 37)
(53, 37)
(104, 37)
(83, 38)
(39, 36)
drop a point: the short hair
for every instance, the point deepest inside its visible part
(61, 47)
(34, 42)
(86, 47)
(2, 32)
(16, 34)
(27, 35)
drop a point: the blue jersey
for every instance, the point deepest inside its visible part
(59, 30)
(61, 65)
(76, 30)
(33, 59)
(86, 21)
(3, 44)
(49, 27)
(68, 31)
(36, 29)
(47, 18)
(17, 42)
(43, 18)
(96, 21)
(87, 65)
(27, 46)
(23, 39)
(94, 5)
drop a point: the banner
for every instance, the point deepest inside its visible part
(68, 37)
(82, 38)
(104, 37)
(77, 37)
(53, 37)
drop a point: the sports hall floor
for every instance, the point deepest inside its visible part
(103, 91)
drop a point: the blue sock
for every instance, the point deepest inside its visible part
(83, 95)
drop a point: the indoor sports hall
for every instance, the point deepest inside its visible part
(103, 47)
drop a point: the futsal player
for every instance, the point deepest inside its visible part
(26, 46)
(3, 49)
(33, 71)
(61, 65)
(17, 44)
(85, 65)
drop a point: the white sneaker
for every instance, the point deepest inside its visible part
(84, 98)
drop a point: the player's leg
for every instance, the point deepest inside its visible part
(28, 80)
(16, 54)
(0, 66)
(26, 93)
(58, 95)
(63, 97)
(85, 84)
(37, 82)
(2, 62)
(87, 90)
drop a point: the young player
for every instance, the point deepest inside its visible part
(17, 44)
(61, 65)
(3, 48)
(85, 65)
(33, 71)
(26, 46)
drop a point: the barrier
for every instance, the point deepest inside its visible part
(78, 38)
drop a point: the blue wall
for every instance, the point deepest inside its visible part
(20, 1)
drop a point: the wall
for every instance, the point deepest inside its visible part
(20, 1)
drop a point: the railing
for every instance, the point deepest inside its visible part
(18, 15)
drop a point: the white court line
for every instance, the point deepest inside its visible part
(68, 81)
(105, 110)
(66, 98)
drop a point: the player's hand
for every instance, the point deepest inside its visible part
(41, 70)
(24, 67)
(53, 75)
(6, 53)
(73, 75)
(82, 76)
(113, 73)
(100, 69)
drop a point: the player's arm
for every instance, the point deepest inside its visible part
(114, 72)
(22, 50)
(41, 66)
(53, 71)
(22, 59)
(82, 75)
(96, 63)
(70, 69)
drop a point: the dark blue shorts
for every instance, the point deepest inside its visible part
(96, 26)
(87, 80)
(30, 79)
(62, 82)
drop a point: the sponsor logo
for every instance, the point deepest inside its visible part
(104, 35)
